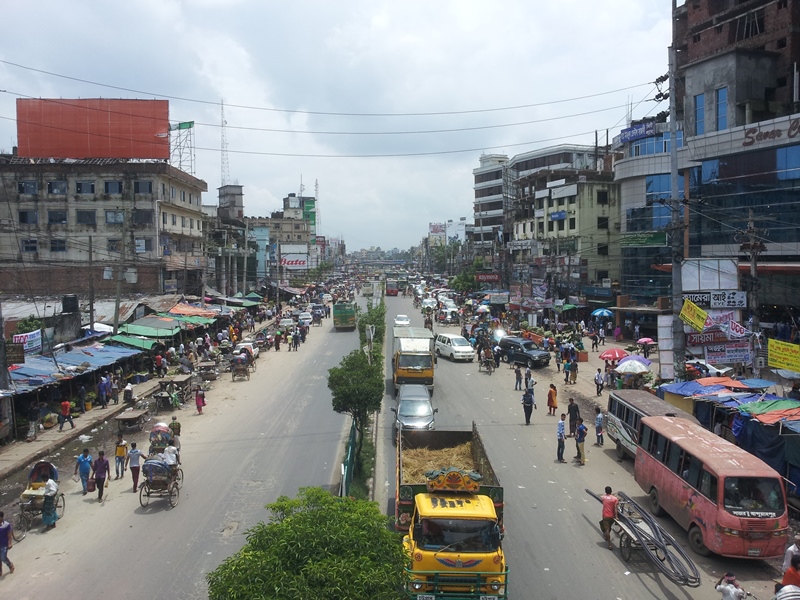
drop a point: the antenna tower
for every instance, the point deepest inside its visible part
(225, 174)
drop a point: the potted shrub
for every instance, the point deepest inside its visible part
(91, 397)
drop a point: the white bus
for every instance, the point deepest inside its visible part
(626, 408)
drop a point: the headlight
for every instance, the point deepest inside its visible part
(495, 586)
(416, 585)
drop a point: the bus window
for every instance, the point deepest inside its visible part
(660, 447)
(675, 458)
(708, 486)
(647, 433)
(612, 406)
(744, 494)
(695, 466)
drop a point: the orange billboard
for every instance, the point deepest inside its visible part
(93, 128)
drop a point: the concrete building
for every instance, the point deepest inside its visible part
(99, 218)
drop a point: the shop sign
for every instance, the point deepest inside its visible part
(487, 277)
(32, 341)
(498, 298)
(294, 261)
(558, 216)
(602, 292)
(783, 355)
(732, 352)
(693, 315)
(699, 298)
(753, 135)
(707, 337)
(636, 132)
(643, 239)
(728, 300)
(15, 354)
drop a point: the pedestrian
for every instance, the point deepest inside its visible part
(601, 333)
(595, 341)
(617, 333)
(598, 426)
(49, 515)
(610, 504)
(83, 466)
(636, 332)
(574, 412)
(65, 415)
(199, 400)
(573, 372)
(134, 456)
(289, 341)
(175, 428)
(528, 377)
(101, 469)
(120, 456)
(527, 404)
(102, 390)
(6, 541)
(82, 399)
(518, 378)
(552, 400)
(296, 340)
(580, 439)
(792, 574)
(561, 436)
(646, 350)
(598, 382)
(557, 353)
(791, 551)
(496, 354)
(729, 588)
(115, 389)
(567, 367)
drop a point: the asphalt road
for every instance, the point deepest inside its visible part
(553, 542)
(256, 440)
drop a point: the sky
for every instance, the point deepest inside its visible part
(380, 109)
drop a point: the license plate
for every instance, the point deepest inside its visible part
(426, 597)
(487, 598)
(754, 552)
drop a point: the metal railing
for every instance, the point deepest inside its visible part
(348, 464)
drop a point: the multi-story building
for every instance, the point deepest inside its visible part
(492, 186)
(100, 218)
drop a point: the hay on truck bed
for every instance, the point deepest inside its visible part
(418, 461)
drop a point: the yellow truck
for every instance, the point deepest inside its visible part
(412, 356)
(453, 516)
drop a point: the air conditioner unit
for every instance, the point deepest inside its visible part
(761, 362)
(606, 282)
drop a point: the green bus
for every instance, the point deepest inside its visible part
(344, 315)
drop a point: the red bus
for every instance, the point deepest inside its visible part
(731, 502)
(391, 287)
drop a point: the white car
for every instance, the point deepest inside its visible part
(429, 303)
(713, 370)
(305, 318)
(286, 324)
(327, 298)
(249, 345)
(402, 321)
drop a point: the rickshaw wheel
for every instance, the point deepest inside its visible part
(144, 494)
(248, 375)
(19, 529)
(61, 505)
(233, 375)
(179, 477)
(174, 494)
(625, 546)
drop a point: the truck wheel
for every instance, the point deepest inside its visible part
(655, 504)
(531, 363)
(696, 541)
(504, 358)
(620, 451)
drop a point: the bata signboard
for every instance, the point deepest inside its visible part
(294, 261)
(487, 277)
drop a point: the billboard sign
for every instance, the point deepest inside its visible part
(32, 341)
(706, 337)
(93, 128)
(636, 132)
(732, 352)
(644, 239)
(436, 228)
(294, 261)
(558, 216)
(487, 277)
(693, 315)
(498, 298)
(780, 355)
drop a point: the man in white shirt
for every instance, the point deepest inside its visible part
(729, 588)
(171, 454)
(791, 551)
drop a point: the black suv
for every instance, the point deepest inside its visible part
(523, 352)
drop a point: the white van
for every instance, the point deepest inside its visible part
(454, 347)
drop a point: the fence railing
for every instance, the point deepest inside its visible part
(348, 464)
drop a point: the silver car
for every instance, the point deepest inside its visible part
(414, 409)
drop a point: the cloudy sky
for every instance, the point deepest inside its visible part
(387, 105)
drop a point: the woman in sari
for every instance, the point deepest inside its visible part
(552, 400)
(49, 516)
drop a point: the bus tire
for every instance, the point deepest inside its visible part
(655, 504)
(696, 541)
(620, 451)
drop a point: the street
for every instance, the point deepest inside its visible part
(256, 440)
(553, 542)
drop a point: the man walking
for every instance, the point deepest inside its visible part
(175, 428)
(598, 382)
(527, 404)
(561, 436)
(518, 378)
(101, 469)
(610, 503)
(580, 439)
(84, 466)
(120, 456)
(6, 541)
(82, 398)
(133, 462)
(528, 377)
(567, 367)
(573, 372)
(598, 426)
(601, 332)
(65, 415)
(574, 413)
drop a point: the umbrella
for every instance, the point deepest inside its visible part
(602, 312)
(787, 374)
(482, 309)
(632, 367)
(645, 340)
(613, 354)
(645, 361)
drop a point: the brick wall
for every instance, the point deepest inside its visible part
(53, 280)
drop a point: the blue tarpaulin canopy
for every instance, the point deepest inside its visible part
(690, 388)
(757, 384)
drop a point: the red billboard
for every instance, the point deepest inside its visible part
(487, 277)
(93, 128)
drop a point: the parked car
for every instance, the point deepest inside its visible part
(414, 409)
(305, 318)
(286, 324)
(454, 347)
(252, 346)
(523, 352)
(327, 298)
(402, 321)
(708, 370)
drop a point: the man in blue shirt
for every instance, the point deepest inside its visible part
(561, 435)
(84, 465)
(580, 439)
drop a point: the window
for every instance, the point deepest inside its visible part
(572, 199)
(572, 222)
(561, 201)
(115, 217)
(86, 217)
(172, 192)
(144, 245)
(781, 43)
(750, 25)
(183, 221)
(602, 222)
(561, 225)
(28, 217)
(602, 196)
(296, 226)
(84, 187)
(163, 218)
(113, 187)
(601, 275)
(142, 216)
(29, 246)
(56, 217)
(27, 187)
(699, 114)
(550, 225)
(142, 187)
(722, 108)
(602, 249)
(174, 219)
(191, 223)
(540, 203)
(540, 227)
(783, 3)
(708, 485)
(696, 38)
(163, 190)
(58, 245)
(57, 187)
(183, 196)
(113, 245)
(190, 198)
(549, 203)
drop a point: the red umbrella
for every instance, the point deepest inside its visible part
(613, 354)
(645, 340)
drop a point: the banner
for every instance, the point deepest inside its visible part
(781, 355)
(31, 340)
(694, 316)
(294, 261)
(725, 317)
(733, 352)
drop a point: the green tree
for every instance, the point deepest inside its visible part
(29, 324)
(357, 387)
(315, 546)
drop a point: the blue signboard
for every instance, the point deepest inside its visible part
(558, 216)
(636, 132)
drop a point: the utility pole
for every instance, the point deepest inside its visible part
(91, 285)
(753, 246)
(121, 272)
(676, 226)
(5, 380)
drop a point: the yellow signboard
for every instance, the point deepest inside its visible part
(694, 316)
(783, 355)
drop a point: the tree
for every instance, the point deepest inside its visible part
(315, 546)
(29, 324)
(357, 387)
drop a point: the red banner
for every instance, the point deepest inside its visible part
(487, 277)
